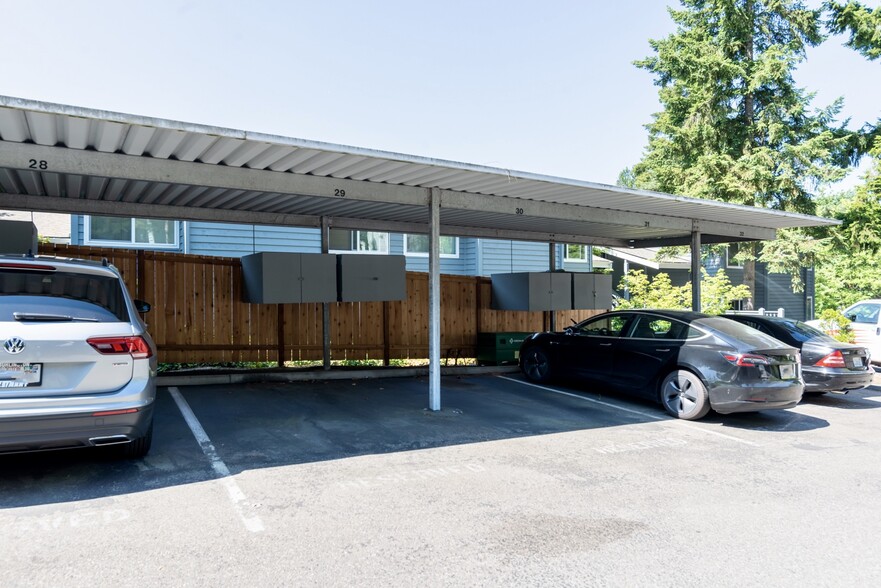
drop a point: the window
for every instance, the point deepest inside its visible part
(137, 232)
(418, 245)
(576, 253)
(345, 241)
(602, 327)
(733, 250)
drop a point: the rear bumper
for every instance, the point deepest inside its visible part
(37, 424)
(829, 381)
(72, 430)
(743, 397)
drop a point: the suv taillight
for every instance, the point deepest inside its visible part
(136, 346)
(833, 360)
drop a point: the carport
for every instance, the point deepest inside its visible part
(58, 158)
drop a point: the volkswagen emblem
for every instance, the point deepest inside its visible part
(14, 345)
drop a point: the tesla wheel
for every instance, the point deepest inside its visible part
(685, 396)
(536, 365)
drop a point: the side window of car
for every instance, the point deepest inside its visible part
(603, 327)
(864, 313)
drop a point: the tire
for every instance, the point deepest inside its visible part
(684, 396)
(536, 365)
(138, 447)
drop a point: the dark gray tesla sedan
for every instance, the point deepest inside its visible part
(688, 361)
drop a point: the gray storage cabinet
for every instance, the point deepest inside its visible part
(18, 237)
(532, 291)
(591, 291)
(281, 278)
(368, 278)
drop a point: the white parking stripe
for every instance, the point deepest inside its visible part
(252, 522)
(624, 409)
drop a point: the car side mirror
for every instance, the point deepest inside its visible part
(142, 306)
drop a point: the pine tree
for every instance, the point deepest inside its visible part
(734, 126)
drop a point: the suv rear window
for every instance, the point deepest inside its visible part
(84, 296)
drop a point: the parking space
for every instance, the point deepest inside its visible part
(354, 483)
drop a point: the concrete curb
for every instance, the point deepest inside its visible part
(318, 375)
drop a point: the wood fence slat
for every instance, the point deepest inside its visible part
(199, 315)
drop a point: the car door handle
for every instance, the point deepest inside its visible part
(605, 344)
(663, 350)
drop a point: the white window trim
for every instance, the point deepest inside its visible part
(420, 254)
(728, 257)
(567, 259)
(87, 240)
(361, 251)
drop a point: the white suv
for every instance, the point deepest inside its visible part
(77, 367)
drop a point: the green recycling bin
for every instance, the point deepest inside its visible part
(499, 348)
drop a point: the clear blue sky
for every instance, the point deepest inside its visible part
(545, 87)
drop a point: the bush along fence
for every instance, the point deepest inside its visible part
(198, 314)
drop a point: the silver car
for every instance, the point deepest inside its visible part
(77, 367)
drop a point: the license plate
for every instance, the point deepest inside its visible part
(857, 362)
(787, 371)
(20, 375)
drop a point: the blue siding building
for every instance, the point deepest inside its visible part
(459, 255)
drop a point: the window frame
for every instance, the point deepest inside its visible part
(131, 244)
(409, 253)
(567, 259)
(728, 257)
(354, 233)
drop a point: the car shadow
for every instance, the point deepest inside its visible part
(765, 420)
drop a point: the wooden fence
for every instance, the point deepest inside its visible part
(198, 314)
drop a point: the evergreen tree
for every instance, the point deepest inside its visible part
(734, 126)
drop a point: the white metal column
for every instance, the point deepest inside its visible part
(434, 392)
(696, 273)
(325, 307)
(552, 262)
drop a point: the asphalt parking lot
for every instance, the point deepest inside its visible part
(343, 483)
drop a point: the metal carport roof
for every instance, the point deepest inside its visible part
(69, 159)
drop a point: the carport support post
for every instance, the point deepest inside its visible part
(552, 259)
(325, 307)
(434, 394)
(695, 268)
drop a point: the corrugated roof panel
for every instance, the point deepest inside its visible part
(245, 153)
(9, 182)
(41, 127)
(95, 187)
(164, 142)
(52, 183)
(336, 165)
(74, 186)
(137, 139)
(269, 157)
(107, 137)
(13, 125)
(193, 146)
(114, 190)
(354, 165)
(314, 162)
(221, 199)
(297, 156)
(75, 134)
(220, 150)
(134, 190)
(154, 191)
(433, 179)
(379, 169)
